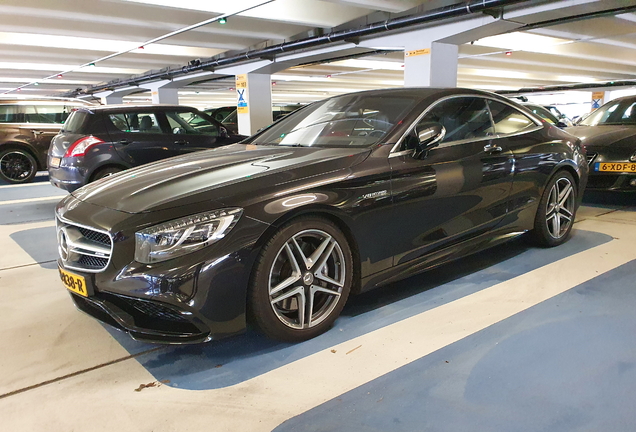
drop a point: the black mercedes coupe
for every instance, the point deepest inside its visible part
(344, 195)
(609, 135)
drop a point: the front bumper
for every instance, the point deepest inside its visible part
(188, 299)
(620, 182)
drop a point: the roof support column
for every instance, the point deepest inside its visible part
(434, 66)
(163, 92)
(254, 102)
(115, 97)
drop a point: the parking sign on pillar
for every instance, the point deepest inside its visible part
(253, 102)
(598, 98)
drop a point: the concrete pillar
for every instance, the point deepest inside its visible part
(254, 102)
(115, 97)
(165, 92)
(434, 65)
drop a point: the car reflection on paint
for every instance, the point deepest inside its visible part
(345, 195)
(609, 135)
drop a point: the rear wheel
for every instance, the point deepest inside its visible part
(105, 172)
(301, 280)
(556, 212)
(17, 166)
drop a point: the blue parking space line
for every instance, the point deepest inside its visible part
(561, 365)
(39, 243)
(227, 362)
(27, 212)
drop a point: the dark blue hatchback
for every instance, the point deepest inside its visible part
(101, 141)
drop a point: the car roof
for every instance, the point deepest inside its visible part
(129, 107)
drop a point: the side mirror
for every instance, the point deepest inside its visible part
(561, 124)
(429, 136)
(177, 131)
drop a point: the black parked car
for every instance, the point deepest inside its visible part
(26, 129)
(345, 195)
(609, 134)
(102, 141)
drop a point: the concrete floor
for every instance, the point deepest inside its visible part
(514, 339)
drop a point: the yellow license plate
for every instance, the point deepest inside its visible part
(73, 282)
(616, 166)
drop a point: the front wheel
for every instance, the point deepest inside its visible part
(17, 166)
(556, 212)
(301, 280)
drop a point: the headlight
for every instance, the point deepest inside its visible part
(182, 236)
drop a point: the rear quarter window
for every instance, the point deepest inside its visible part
(76, 121)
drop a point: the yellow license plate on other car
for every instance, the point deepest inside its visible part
(73, 282)
(616, 166)
(54, 162)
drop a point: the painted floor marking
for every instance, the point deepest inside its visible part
(28, 200)
(264, 402)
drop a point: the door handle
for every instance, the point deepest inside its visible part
(124, 142)
(491, 148)
(181, 142)
(37, 132)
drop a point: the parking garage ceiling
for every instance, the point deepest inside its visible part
(43, 38)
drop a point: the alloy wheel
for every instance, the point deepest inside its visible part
(306, 279)
(16, 166)
(560, 208)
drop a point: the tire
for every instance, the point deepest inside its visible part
(105, 172)
(554, 219)
(17, 166)
(290, 299)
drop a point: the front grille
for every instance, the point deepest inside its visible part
(591, 157)
(83, 248)
(93, 262)
(154, 310)
(95, 236)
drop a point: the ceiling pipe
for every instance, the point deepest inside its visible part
(453, 11)
(564, 87)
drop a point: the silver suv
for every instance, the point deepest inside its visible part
(26, 129)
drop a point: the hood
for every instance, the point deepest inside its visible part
(603, 136)
(213, 175)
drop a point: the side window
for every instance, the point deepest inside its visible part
(31, 115)
(9, 114)
(137, 122)
(462, 117)
(52, 113)
(191, 123)
(509, 120)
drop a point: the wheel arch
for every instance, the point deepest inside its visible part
(332, 214)
(99, 168)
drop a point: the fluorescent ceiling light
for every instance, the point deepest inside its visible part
(63, 67)
(106, 45)
(519, 41)
(44, 81)
(369, 64)
(285, 77)
(494, 73)
(201, 5)
(575, 78)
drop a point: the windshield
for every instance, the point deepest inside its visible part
(614, 113)
(356, 120)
